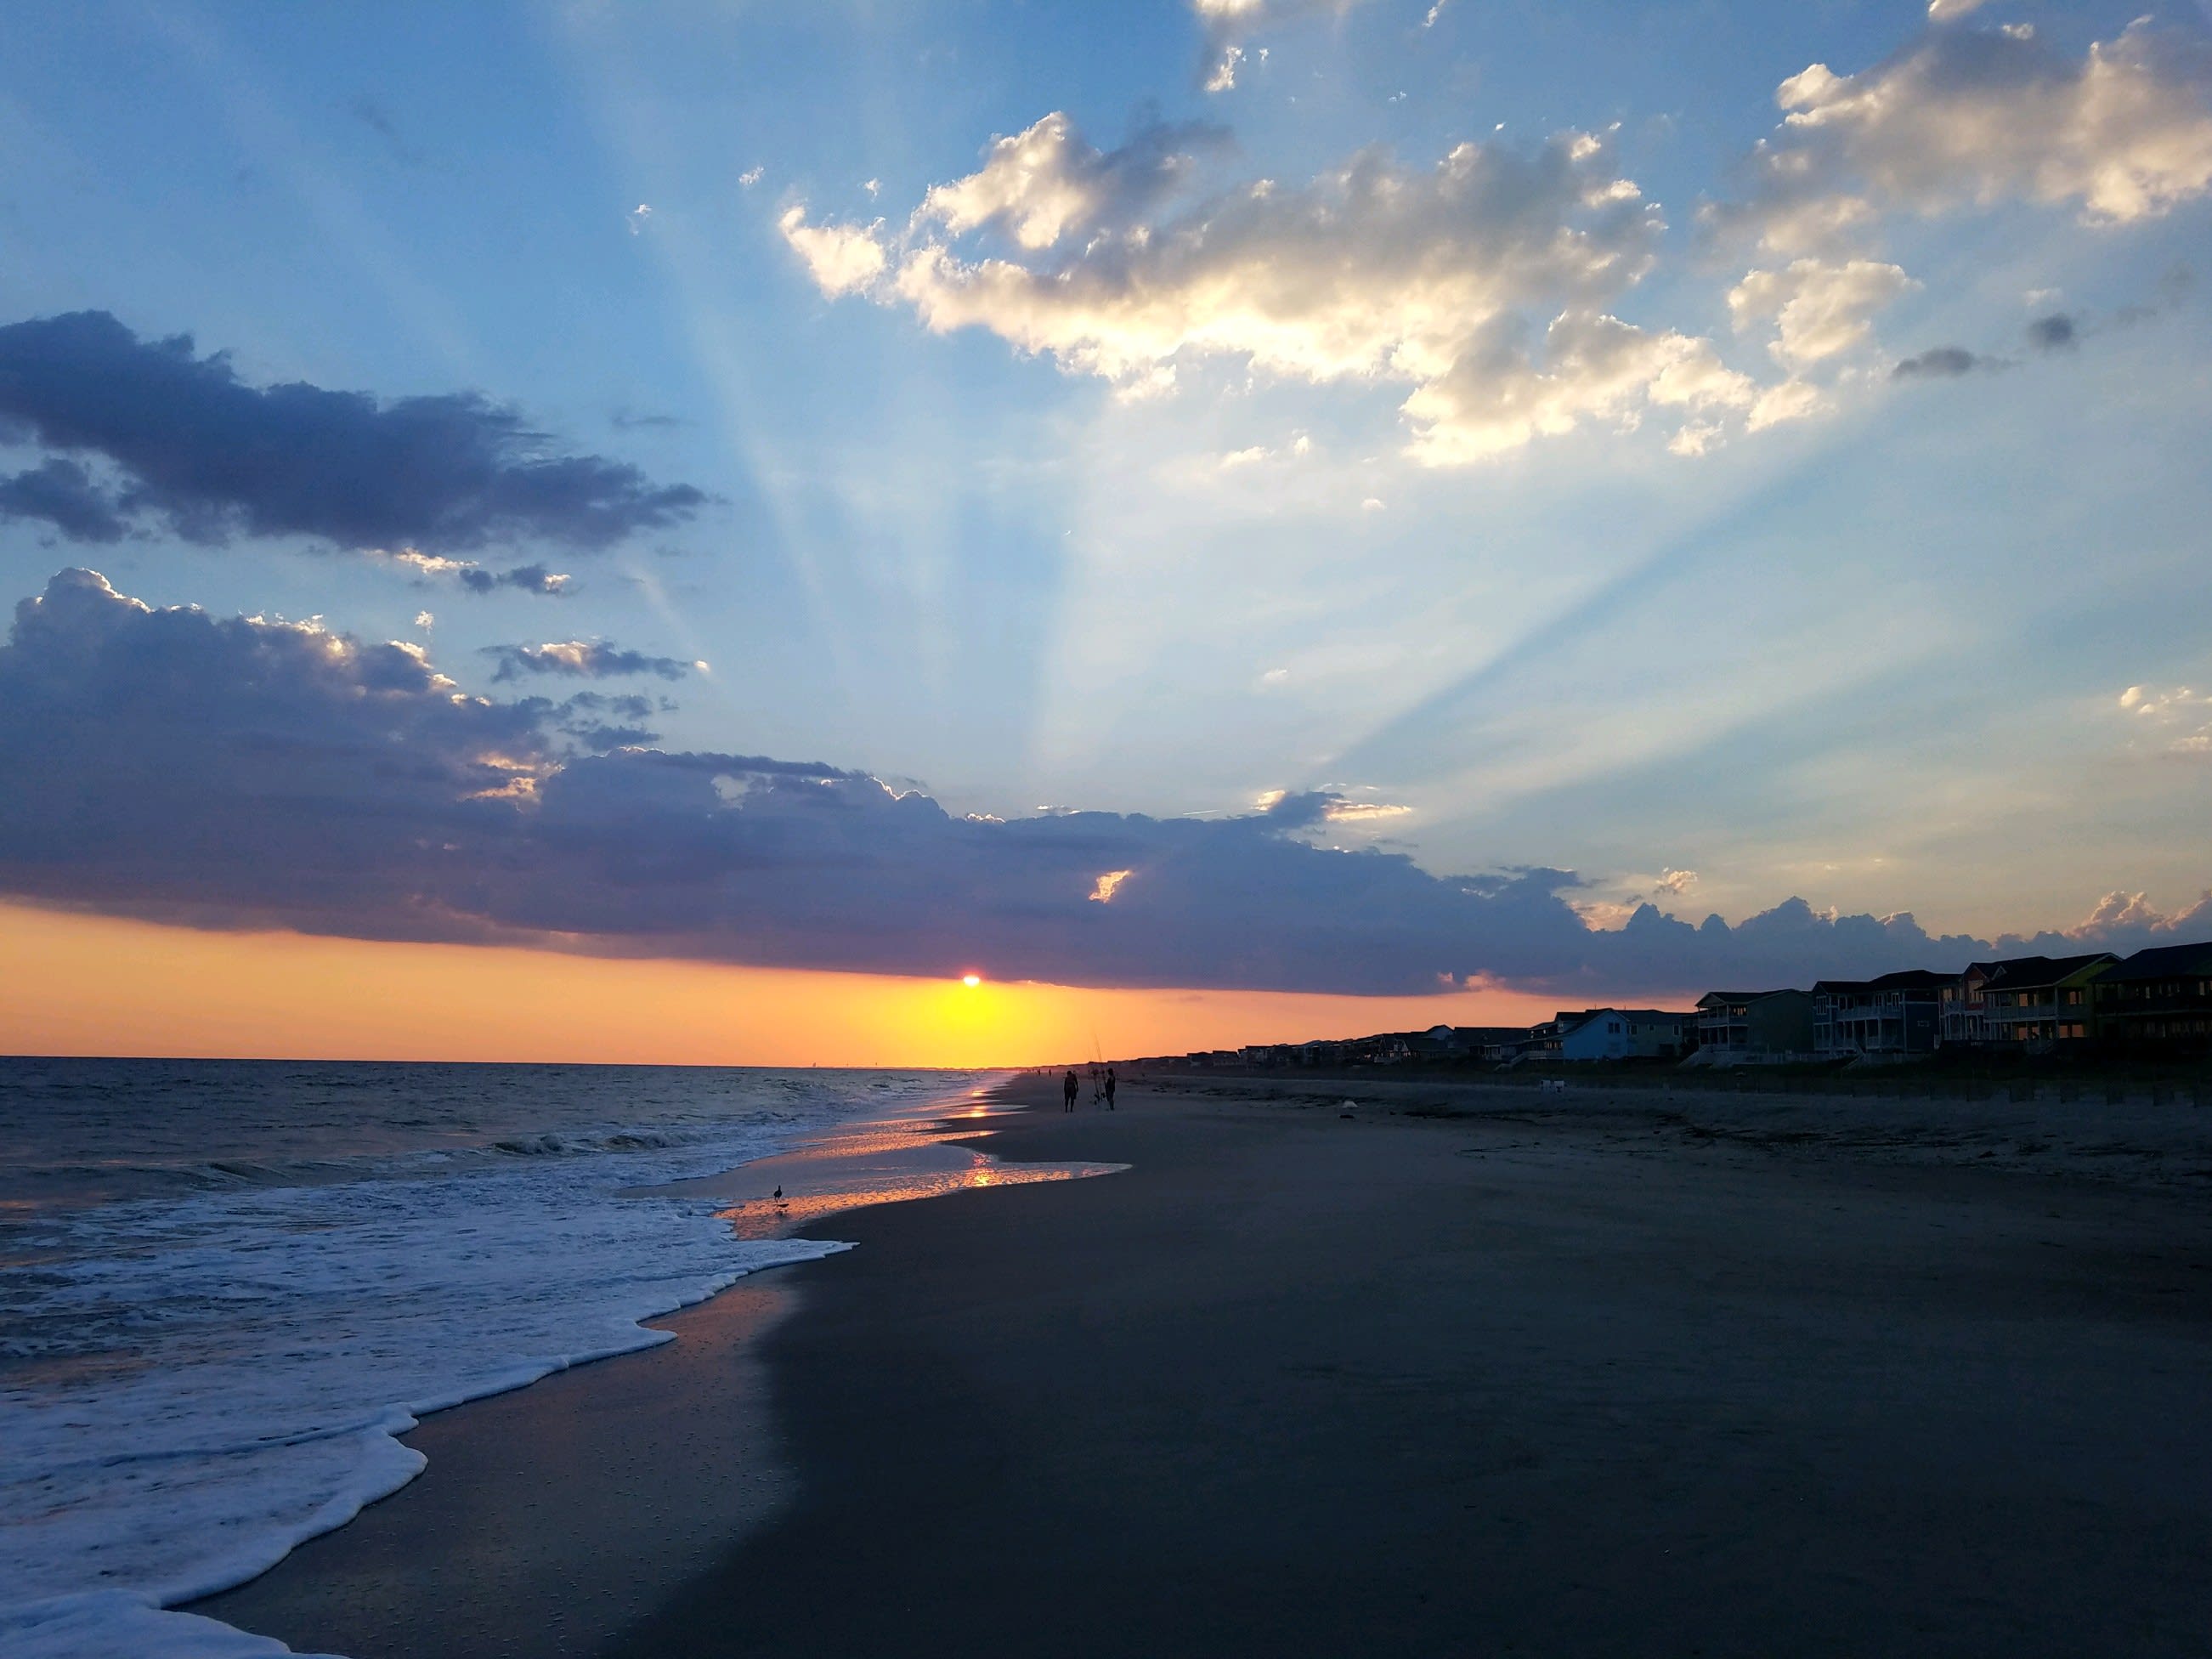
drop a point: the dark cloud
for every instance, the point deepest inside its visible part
(2057, 332)
(64, 496)
(530, 578)
(371, 114)
(589, 717)
(235, 772)
(588, 659)
(206, 456)
(1940, 363)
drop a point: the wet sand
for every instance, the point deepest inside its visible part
(1547, 1383)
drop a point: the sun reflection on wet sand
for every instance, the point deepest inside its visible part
(885, 1162)
(765, 1218)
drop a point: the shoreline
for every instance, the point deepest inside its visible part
(445, 1543)
(1588, 1383)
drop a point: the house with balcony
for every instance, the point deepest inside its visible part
(2158, 1000)
(1734, 1026)
(1885, 1018)
(1962, 1020)
(2043, 1001)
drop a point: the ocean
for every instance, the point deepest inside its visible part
(227, 1286)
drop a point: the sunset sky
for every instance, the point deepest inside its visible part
(590, 532)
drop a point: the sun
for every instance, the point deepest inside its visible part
(971, 980)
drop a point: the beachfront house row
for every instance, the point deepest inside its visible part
(1736, 1026)
(1625, 1034)
(1492, 1044)
(2157, 999)
(1881, 1019)
(2043, 1001)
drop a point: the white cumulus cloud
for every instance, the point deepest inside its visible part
(2182, 716)
(1818, 309)
(1974, 117)
(1483, 284)
(839, 258)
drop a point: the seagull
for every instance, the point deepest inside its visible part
(778, 1193)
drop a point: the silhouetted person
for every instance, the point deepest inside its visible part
(1068, 1085)
(1110, 1088)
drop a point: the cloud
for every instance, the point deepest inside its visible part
(205, 456)
(1940, 363)
(1819, 310)
(2182, 717)
(63, 494)
(2057, 332)
(1499, 395)
(1046, 185)
(1973, 118)
(529, 578)
(472, 577)
(1483, 284)
(582, 660)
(1947, 11)
(372, 115)
(841, 259)
(588, 718)
(245, 771)
(1229, 22)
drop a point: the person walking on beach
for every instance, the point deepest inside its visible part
(1110, 1088)
(1068, 1085)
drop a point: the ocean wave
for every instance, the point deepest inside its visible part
(194, 1383)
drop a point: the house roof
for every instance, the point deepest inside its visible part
(2163, 962)
(2025, 973)
(1747, 996)
(1569, 1023)
(1909, 979)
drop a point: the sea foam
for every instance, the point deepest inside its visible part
(196, 1385)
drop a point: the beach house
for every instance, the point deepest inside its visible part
(2043, 1001)
(1962, 1020)
(1734, 1026)
(1882, 1018)
(2157, 999)
(1625, 1034)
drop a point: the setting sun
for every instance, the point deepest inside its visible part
(971, 980)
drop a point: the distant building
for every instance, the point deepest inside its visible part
(2159, 998)
(1743, 1024)
(1544, 1036)
(1881, 1019)
(2043, 1000)
(1625, 1034)
(1492, 1044)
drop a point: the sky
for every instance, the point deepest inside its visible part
(1216, 518)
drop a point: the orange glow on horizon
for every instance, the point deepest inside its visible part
(97, 985)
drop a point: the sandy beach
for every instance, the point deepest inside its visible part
(1456, 1375)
